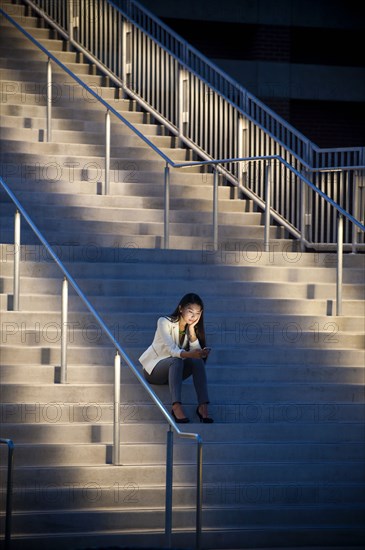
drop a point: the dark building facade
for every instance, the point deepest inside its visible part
(302, 58)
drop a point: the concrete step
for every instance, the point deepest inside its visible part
(96, 207)
(184, 474)
(323, 392)
(179, 242)
(185, 538)
(253, 355)
(39, 302)
(242, 328)
(145, 433)
(129, 495)
(237, 289)
(20, 17)
(23, 118)
(259, 413)
(154, 519)
(63, 173)
(129, 221)
(14, 105)
(223, 258)
(250, 374)
(276, 271)
(120, 148)
(121, 137)
(42, 455)
(83, 224)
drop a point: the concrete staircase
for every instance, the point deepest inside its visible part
(69, 172)
(283, 463)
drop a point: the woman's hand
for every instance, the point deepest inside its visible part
(195, 353)
(191, 330)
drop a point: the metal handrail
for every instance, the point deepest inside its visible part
(9, 490)
(188, 47)
(187, 51)
(128, 361)
(85, 86)
(169, 162)
(217, 163)
(69, 278)
(189, 59)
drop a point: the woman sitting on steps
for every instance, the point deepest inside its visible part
(178, 351)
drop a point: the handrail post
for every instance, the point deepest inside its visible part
(9, 491)
(267, 207)
(49, 100)
(215, 209)
(339, 265)
(64, 331)
(107, 152)
(183, 101)
(116, 410)
(199, 495)
(356, 211)
(16, 281)
(167, 208)
(169, 476)
(70, 21)
(303, 206)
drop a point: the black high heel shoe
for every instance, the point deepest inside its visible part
(205, 420)
(184, 420)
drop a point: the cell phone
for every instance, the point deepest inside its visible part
(207, 349)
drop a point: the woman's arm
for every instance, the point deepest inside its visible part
(164, 326)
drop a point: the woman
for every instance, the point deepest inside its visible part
(178, 351)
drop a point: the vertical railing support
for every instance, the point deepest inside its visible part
(9, 491)
(183, 101)
(64, 331)
(16, 281)
(107, 153)
(303, 207)
(215, 209)
(339, 265)
(199, 496)
(126, 66)
(116, 424)
(49, 100)
(355, 212)
(169, 476)
(70, 21)
(167, 208)
(267, 207)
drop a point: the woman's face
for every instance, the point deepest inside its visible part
(190, 313)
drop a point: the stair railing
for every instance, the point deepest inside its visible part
(9, 490)
(120, 353)
(306, 185)
(293, 208)
(208, 111)
(303, 220)
(270, 213)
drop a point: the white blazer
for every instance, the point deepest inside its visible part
(165, 344)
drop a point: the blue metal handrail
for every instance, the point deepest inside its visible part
(128, 361)
(347, 183)
(9, 490)
(215, 162)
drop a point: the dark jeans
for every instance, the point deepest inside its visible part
(173, 371)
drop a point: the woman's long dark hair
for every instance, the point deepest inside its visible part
(192, 299)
